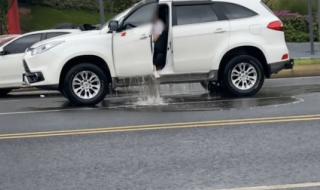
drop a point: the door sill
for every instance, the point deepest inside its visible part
(188, 78)
(166, 78)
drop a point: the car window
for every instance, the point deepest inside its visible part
(5, 40)
(234, 11)
(141, 16)
(55, 34)
(20, 45)
(191, 14)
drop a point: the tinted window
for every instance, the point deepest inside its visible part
(233, 11)
(5, 40)
(141, 16)
(20, 45)
(191, 14)
(55, 34)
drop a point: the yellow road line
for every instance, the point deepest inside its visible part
(178, 124)
(221, 123)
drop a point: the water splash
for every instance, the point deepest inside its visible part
(151, 101)
(150, 93)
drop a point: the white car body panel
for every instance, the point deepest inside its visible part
(11, 70)
(94, 43)
(197, 48)
(196, 45)
(11, 67)
(131, 62)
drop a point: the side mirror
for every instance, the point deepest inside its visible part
(114, 25)
(3, 52)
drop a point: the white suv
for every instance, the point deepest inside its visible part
(233, 43)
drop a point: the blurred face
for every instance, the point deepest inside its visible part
(156, 16)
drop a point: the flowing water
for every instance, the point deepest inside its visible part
(147, 91)
(149, 94)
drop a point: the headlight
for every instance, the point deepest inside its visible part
(45, 47)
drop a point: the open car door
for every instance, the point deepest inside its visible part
(132, 45)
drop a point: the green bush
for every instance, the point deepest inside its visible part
(296, 26)
(297, 6)
(117, 6)
(43, 17)
(4, 8)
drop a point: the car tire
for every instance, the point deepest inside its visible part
(210, 86)
(85, 85)
(4, 92)
(242, 76)
(205, 85)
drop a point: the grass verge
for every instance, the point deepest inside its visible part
(307, 61)
(42, 17)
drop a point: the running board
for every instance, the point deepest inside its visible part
(166, 79)
(189, 78)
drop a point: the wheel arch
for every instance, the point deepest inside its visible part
(93, 59)
(244, 50)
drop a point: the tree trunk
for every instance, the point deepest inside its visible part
(318, 20)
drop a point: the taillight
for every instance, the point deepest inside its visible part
(276, 25)
(285, 56)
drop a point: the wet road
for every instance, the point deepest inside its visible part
(191, 140)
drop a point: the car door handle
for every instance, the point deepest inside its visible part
(144, 36)
(220, 30)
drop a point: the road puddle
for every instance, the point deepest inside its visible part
(199, 103)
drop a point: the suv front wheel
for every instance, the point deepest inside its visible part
(85, 84)
(243, 76)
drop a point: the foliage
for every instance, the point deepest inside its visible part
(85, 11)
(307, 62)
(38, 20)
(298, 6)
(4, 8)
(68, 4)
(296, 26)
(117, 6)
(114, 6)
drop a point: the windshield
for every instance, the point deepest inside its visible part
(5, 40)
(120, 16)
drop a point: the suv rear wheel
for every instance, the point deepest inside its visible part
(85, 84)
(210, 86)
(243, 76)
(4, 92)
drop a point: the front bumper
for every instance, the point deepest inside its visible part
(31, 77)
(277, 67)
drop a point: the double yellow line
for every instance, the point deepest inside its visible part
(154, 127)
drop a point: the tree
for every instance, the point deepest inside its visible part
(268, 2)
(117, 6)
(4, 8)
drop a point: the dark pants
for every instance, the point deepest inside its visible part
(159, 60)
(160, 51)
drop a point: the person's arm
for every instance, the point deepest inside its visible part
(155, 37)
(157, 31)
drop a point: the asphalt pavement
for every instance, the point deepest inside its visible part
(187, 139)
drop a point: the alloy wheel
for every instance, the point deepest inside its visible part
(244, 76)
(86, 85)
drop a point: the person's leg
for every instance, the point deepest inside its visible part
(160, 61)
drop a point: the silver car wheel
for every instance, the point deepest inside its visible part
(86, 85)
(244, 76)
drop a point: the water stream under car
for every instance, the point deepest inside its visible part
(150, 93)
